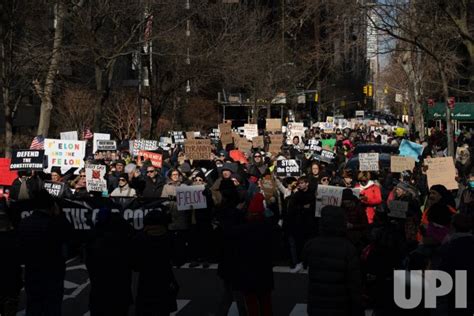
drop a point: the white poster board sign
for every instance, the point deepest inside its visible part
(69, 135)
(294, 129)
(95, 180)
(330, 195)
(250, 131)
(66, 154)
(98, 136)
(369, 162)
(190, 197)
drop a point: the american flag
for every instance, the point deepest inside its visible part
(87, 134)
(37, 143)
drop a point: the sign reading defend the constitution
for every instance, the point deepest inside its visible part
(27, 160)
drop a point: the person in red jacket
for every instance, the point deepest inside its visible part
(370, 194)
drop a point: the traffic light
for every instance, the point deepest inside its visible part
(365, 90)
(369, 92)
(316, 97)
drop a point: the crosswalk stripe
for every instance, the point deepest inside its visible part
(299, 310)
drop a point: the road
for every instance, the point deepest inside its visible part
(199, 292)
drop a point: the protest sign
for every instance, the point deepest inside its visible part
(288, 168)
(314, 145)
(330, 195)
(400, 131)
(325, 156)
(369, 162)
(225, 131)
(397, 209)
(104, 145)
(54, 188)
(190, 135)
(330, 119)
(69, 135)
(257, 142)
(198, 149)
(327, 127)
(384, 139)
(328, 144)
(250, 131)
(190, 197)
(6, 175)
(64, 153)
(400, 164)
(441, 171)
(95, 180)
(244, 145)
(178, 137)
(276, 141)
(273, 125)
(98, 136)
(155, 158)
(27, 160)
(410, 149)
(143, 144)
(82, 214)
(294, 129)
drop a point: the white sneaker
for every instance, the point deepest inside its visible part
(297, 268)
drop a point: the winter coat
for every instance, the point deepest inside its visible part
(151, 189)
(374, 198)
(229, 216)
(334, 275)
(300, 214)
(157, 286)
(108, 263)
(42, 239)
(357, 217)
(10, 269)
(252, 257)
(180, 220)
(34, 185)
(126, 191)
(456, 255)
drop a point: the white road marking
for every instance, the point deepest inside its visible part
(299, 310)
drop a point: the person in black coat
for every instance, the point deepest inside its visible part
(10, 269)
(300, 222)
(157, 286)
(32, 185)
(108, 263)
(42, 239)
(333, 268)
(229, 215)
(252, 272)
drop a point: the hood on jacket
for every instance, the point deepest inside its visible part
(333, 221)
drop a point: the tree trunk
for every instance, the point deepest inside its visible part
(45, 92)
(99, 101)
(449, 125)
(7, 105)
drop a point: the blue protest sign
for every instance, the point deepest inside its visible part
(410, 149)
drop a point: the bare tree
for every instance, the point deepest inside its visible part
(75, 110)
(14, 86)
(421, 29)
(121, 115)
(44, 88)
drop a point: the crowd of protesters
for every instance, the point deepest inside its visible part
(350, 252)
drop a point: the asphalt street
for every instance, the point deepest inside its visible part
(200, 291)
